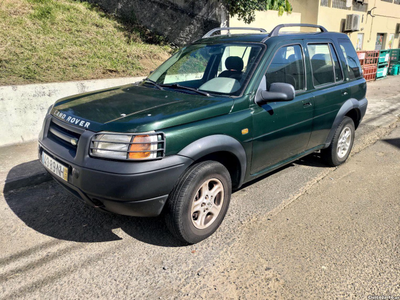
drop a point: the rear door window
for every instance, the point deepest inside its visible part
(322, 64)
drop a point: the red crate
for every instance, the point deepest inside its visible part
(369, 72)
(371, 58)
(361, 56)
(368, 58)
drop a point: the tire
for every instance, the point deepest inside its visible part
(342, 143)
(198, 203)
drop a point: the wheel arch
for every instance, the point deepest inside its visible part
(352, 109)
(222, 148)
(355, 115)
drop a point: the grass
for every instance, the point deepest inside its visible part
(61, 40)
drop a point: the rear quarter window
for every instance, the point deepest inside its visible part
(352, 66)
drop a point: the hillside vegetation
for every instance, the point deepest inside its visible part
(61, 40)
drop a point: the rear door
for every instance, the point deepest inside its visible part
(329, 89)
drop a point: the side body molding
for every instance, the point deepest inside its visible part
(360, 105)
(216, 143)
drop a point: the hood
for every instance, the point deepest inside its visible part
(137, 109)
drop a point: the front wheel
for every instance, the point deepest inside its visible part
(342, 143)
(198, 203)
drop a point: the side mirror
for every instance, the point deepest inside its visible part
(278, 91)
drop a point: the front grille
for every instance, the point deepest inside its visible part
(64, 135)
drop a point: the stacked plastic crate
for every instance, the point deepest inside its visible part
(368, 61)
(394, 65)
(383, 63)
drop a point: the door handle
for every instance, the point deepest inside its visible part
(307, 104)
(344, 93)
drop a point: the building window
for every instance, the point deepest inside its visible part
(396, 2)
(388, 1)
(325, 3)
(340, 4)
(361, 7)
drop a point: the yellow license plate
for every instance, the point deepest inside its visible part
(54, 166)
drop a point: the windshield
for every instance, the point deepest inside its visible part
(221, 68)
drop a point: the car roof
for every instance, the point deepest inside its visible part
(263, 37)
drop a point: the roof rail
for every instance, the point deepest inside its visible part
(208, 34)
(275, 31)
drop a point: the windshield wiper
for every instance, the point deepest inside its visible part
(182, 87)
(146, 80)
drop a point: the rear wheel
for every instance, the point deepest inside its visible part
(199, 202)
(342, 143)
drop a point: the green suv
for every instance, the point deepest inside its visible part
(219, 113)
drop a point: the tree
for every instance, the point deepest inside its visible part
(244, 9)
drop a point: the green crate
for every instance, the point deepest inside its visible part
(395, 55)
(384, 56)
(381, 72)
(394, 70)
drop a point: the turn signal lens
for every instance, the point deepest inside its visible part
(142, 146)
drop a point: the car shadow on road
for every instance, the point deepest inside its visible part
(312, 160)
(50, 210)
(393, 142)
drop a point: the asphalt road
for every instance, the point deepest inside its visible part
(303, 232)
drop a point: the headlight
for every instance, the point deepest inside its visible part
(128, 146)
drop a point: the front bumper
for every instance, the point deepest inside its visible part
(127, 188)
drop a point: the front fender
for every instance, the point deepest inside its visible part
(217, 143)
(359, 105)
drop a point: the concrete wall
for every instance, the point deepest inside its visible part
(23, 107)
(180, 21)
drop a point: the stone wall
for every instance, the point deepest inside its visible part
(180, 21)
